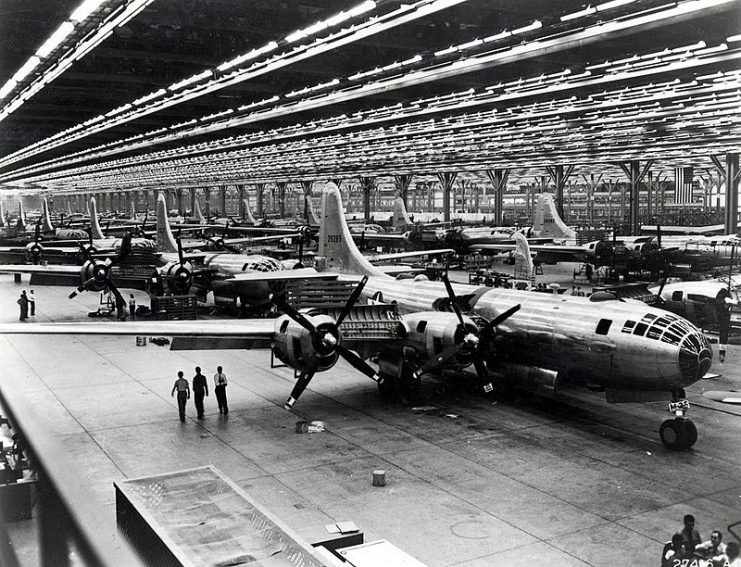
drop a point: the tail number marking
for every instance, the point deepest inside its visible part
(334, 238)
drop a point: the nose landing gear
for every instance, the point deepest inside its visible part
(678, 434)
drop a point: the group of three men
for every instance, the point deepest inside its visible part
(200, 388)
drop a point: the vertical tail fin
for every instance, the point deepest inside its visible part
(524, 268)
(46, 225)
(2, 215)
(547, 223)
(94, 224)
(69, 208)
(336, 245)
(248, 211)
(133, 210)
(87, 211)
(199, 218)
(21, 216)
(401, 218)
(165, 239)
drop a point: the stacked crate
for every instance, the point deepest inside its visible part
(175, 307)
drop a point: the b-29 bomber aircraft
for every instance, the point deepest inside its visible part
(531, 341)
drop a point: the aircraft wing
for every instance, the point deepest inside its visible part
(265, 230)
(47, 249)
(254, 239)
(281, 275)
(548, 254)
(411, 254)
(187, 335)
(59, 269)
(394, 270)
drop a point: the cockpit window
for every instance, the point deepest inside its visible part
(677, 296)
(670, 338)
(628, 327)
(640, 329)
(662, 322)
(603, 326)
(654, 333)
(648, 317)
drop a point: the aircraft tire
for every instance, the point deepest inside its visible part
(678, 434)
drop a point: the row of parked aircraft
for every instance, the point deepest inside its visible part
(533, 341)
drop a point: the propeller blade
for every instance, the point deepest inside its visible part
(483, 373)
(225, 232)
(180, 250)
(499, 319)
(436, 361)
(351, 300)
(453, 298)
(83, 287)
(279, 301)
(302, 382)
(358, 363)
(37, 231)
(90, 237)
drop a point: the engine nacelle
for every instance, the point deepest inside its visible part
(97, 272)
(431, 332)
(177, 276)
(295, 346)
(33, 252)
(530, 378)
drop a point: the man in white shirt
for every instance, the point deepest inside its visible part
(220, 390)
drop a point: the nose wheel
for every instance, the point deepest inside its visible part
(678, 434)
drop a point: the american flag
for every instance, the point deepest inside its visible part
(683, 185)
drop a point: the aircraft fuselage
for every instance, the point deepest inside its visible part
(620, 348)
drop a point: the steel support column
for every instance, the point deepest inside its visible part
(367, 184)
(260, 191)
(282, 186)
(635, 176)
(222, 200)
(732, 175)
(307, 187)
(447, 178)
(498, 179)
(402, 183)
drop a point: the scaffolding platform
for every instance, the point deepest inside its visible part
(199, 517)
(174, 307)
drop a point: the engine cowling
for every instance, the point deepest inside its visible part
(295, 346)
(430, 333)
(33, 252)
(97, 272)
(178, 276)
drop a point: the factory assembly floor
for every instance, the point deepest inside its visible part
(470, 482)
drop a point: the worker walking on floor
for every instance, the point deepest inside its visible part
(23, 303)
(32, 303)
(183, 389)
(200, 387)
(132, 306)
(220, 390)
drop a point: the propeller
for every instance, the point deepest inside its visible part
(326, 339)
(140, 229)
(98, 271)
(470, 342)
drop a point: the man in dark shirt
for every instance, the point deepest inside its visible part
(200, 387)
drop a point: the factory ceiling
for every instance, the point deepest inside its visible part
(144, 93)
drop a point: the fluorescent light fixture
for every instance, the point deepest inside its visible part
(93, 44)
(118, 110)
(613, 4)
(247, 56)
(362, 8)
(190, 80)
(55, 39)
(7, 87)
(581, 13)
(716, 49)
(537, 24)
(85, 9)
(150, 96)
(132, 10)
(27, 67)
(496, 36)
(733, 38)
(446, 51)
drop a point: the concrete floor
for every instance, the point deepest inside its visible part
(469, 482)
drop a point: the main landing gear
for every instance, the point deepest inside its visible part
(678, 434)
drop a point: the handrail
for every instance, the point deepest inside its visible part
(69, 515)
